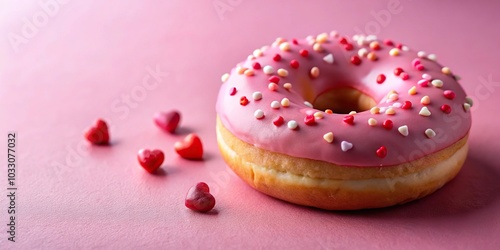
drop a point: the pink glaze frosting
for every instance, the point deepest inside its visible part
(250, 101)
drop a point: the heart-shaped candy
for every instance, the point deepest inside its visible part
(98, 134)
(167, 121)
(150, 159)
(190, 148)
(199, 199)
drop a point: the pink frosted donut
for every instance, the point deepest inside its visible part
(339, 123)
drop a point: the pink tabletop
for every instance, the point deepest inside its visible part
(65, 63)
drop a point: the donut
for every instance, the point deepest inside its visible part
(342, 123)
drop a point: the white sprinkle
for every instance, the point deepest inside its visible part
(328, 137)
(393, 97)
(282, 72)
(403, 130)
(292, 124)
(285, 46)
(361, 40)
(424, 112)
(426, 76)
(257, 53)
(275, 105)
(328, 58)
(397, 105)
(394, 52)
(371, 38)
(469, 101)
(362, 52)
(250, 57)
(432, 57)
(466, 106)
(390, 111)
(259, 114)
(437, 83)
(308, 104)
(314, 72)
(287, 86)
(285, 102)
(372, 122)
(421, 54)
(352, 112)
(257, 95)
(318, 115)
(268, 70)
(382, 109)
(224, 77)
(272, 86)
(425, 100)
(430, 133)
(405, 48)
(345, 145)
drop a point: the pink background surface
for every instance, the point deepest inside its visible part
(89, 55)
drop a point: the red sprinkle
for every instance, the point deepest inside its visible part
(387, 124)
(355, 60)
(446, 108)
(348, 46)
(243, 101)
(256, 65)
(398, 71)
(380, 78)
(274, 79)
(304, 52)
(404, 76)
(309, 120)
(420, 67)
(294, 41)
(406, 105)
(294, 64)
(449, 94)
(277, 58)
(279, 121)
(349, 119)
(389, 42)
(416, 62)
(399, 46)
(343, 40)
(382, 152)
(232, 91)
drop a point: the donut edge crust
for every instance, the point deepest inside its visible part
(333, 187)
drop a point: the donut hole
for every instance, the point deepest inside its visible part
(344, 100)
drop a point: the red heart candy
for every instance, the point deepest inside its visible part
(190, 148)
(98, 134)
(150, 160)
(199, 199)
(167, 121)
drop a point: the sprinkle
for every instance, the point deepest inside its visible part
(268, 70)
(243, 101)
(241, 70)
(256, 65)
(387, 124)
(248, 72)
(430, 133)
(398, 71)
(348, 47)
(394, 52)
(393, 97)
(317, 47)
(287, 86)
(285, 102)
(275, 105)
(318, 115)
(344, 145)
(294, 64)
(399, 46)
(381, 78)
(372, 56)
(403, 130)
(426, 76)
(251, 57)
(437, 83)
(328, 137)
(375, 110)
(232, 91)
(259, 114)
(423, 82)
(405, 48)
(314, 72)
(321, 38)
(420, 67)
(397, 105)
(352, 113)
(224, 77)
(412, 90)
(308, 104)
(343, 40)
(432, 57)
(469, 101)
(294, 41)
(328, 111)
(277, 57)
(370, 38)
(446, 70)
(374, 45)
(334, 34)
(257, 95)
(285, 46)
(282, 72)
(381, 152)
(446, 108)
(390, 111)
(304, 53)
(292, 125)
(309, 120)
(424, 112)
(466, 106)
(457, 77)
(360, 40)
(406, 105)
(449, 94)
(278, 121)
(405, 76)
(362, 52)
(328, 58)
(257, 53)
(274, 79)
(273, 86)
(349, 119)
(372, 122)
(425, 100)
(355, 60)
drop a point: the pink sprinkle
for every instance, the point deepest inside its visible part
(405, 76)
(416, 62)
(423, 83)
(426, 76)
(274, 79)
(272, 86)
(232, 91)
(420, 67)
